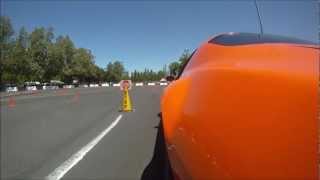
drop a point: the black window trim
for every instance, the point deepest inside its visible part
(185, 64)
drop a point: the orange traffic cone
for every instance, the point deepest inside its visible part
(11, 102)
(76, 97)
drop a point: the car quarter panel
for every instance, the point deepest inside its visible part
(248, 111)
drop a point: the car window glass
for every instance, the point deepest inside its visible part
(253, 38)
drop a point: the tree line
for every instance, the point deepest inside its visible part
(41, 56)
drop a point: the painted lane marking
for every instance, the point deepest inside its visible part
(60, 171)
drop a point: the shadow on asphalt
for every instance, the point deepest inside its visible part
(159, 166)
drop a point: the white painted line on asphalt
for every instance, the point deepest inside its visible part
(60, 171)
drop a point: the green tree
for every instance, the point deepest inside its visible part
(125, 75)
(66, 49)
(82, 66)
(6, 45)
(174, 68)
(6, 30)
(54, 70)
(119, 70)
(99, 74)
(20, 63)
(115, 71)
(39, 45)
(184, 57)
(39, 56)
(147, 75)
(165, 70)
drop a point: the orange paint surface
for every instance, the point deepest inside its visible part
(245, 112)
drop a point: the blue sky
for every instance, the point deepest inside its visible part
(149, 34)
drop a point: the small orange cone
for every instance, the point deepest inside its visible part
(76, 97)
(12, 102)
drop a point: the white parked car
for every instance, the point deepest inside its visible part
(163, 83)
(93, 85)
(68, 86)
(139, 84)
(31, 88)
(151, 84)
(50, 87)
(105, 84)
(83, 85)
(12, 89)
(116, 85)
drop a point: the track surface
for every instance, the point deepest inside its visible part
(41, 131)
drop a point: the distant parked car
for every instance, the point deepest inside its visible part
(105, 84)
(163, 83)
(32, 85)
(31, 88)
(151, 84)
(57, 83)
(93, 85)
(12, 89)
(68, 86)
(116, 85)
(139, 84)
(50, 87)
(83, 85)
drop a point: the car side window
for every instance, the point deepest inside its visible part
(185, 64)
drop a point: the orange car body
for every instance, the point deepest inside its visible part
(244, 111)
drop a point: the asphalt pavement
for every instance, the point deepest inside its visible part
(42, 134)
